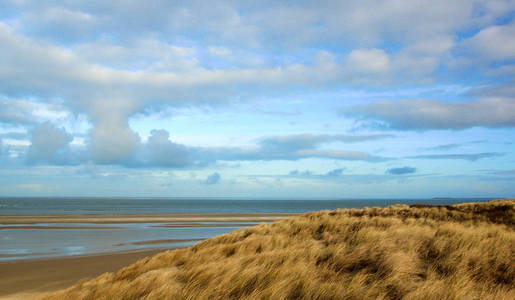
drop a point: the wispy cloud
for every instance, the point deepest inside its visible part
(470, 157)
(451, 146)
(332, 174)
(502, 172)
(13, 135)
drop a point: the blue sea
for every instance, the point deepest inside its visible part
(20, 242)
(64, 206)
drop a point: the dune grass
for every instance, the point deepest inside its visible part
(463, 251)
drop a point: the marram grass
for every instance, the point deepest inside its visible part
(464, 251)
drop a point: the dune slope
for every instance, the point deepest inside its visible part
(464, 251)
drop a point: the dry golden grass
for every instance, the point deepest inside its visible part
(463, 251)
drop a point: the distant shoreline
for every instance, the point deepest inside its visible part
(142, 218)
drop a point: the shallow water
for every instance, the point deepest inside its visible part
(28, 242)
(16, 244)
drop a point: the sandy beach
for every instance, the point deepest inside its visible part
(20, 279)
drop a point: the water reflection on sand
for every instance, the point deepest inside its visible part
(29, 241)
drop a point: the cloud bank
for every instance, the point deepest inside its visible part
(409, 114)
(161, 152)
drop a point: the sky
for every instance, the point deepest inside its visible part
(257, 99)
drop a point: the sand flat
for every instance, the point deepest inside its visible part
(44, 227)
(143, 218)
(173, 241)
(19, 279)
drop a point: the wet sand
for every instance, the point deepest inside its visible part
(55, 227)
(153, 242)
(142, 218)
(20, 279)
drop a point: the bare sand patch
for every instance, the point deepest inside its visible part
(19, 279)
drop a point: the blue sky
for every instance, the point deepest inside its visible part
(275, 99)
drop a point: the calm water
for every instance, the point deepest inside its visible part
(26, 243)
(58, 206)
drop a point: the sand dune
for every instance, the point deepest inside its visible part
(462, 251)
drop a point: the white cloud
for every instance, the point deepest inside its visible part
(495, 43)
(368, 61)
(16, 112)
(340, 154)
(48, 144)
(219, 51)
(111, 139)
(101, 65)
(58, 22)
(464, 156)
(164, 153)
(432, 45)
(138, 54)
(421, 58)
(27, 113)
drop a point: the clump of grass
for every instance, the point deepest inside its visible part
(463, 251)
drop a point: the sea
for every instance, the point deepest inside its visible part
(23, 241)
